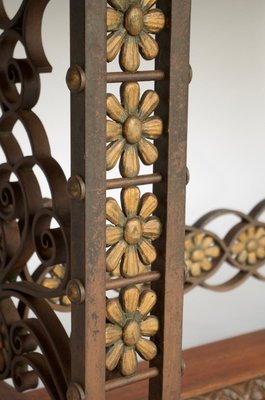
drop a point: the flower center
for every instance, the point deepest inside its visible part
(133, 231)
(132, 130)
(252, 245)
(131, 333)
(133, 20)
(197, 255)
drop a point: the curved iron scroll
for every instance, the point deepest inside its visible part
(32, 346)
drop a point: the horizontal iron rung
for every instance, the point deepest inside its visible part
(115, 77)
(114, 284)
(141, 376)
(127, 182)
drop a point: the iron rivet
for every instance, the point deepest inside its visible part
(75, 291)
(76, 188)
(187, 175)
(75, 79)
(183, 367)
(191, 74)
(75, 392)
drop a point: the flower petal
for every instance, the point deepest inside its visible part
(150, 326)
(131, 200)
(148, 104)
(153, 127)
(114, 213)
(114, 43)
(148, 152)
(119, 4)
(113, 356)
(128, 364)
(261, 252)
(198, 239)
(130, 94)
(130, 266)
(148, 46)
(114, 255)
(152, 228)
(130, 165)
(147, 251)
(260, 232)
(148, 300)
(130, 57)
(115, 109)
(242, 257)
(114, 131)
(206, 265)
(130, 299)
(195, 268)
(114, 312)
(146, 4)
(113, 153)
(146, 348)
(148, 205)
(154, 21)
(237, 247)
(213, 251)
(112, 334)
(114, 19)
(207, 242)
(252, 258)
(113, 235)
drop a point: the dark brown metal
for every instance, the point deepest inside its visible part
(115, 77)
(140, 180)
(173, 92)
(88, 142)
(141, 376)
(114, 284)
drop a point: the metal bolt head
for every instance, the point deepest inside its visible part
(75, 79)
(76, 188)
(75, 392)
(75, 291)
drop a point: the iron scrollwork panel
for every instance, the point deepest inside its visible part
(34, 343)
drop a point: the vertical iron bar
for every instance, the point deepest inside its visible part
(88, 143)
(173, 92)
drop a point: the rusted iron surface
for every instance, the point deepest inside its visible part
(35, 347)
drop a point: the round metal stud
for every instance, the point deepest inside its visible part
(76, 188)
(75, 392)
(75, 291)
(75, 79)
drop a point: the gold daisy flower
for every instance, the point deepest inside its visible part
(249, 247)
(130, 128)
(52, 280)
(130, 23)
(132, 232)
(128, 322)
(200, 251)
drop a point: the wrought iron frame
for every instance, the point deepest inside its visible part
(73, 255)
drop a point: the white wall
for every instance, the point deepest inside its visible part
(226, 140)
